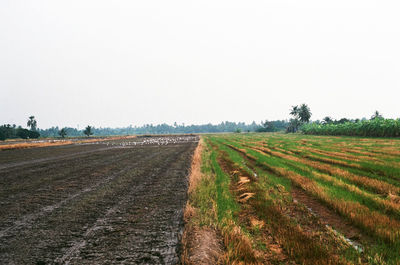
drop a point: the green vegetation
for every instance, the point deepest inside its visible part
(377, 127)
(11, 132)
(26, 134)
(63, 132)
(272, 126)
(267, 126)
(32, 123)
(88, 131)
(264, 185)
(301, 115)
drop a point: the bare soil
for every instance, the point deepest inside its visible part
(109, 202)
(203, 245)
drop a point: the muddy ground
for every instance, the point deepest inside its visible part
(100, 203)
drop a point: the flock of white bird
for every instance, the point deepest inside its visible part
(154, 140)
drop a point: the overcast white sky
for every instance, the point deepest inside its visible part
(116, 63)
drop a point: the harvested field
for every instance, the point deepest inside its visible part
(295, 199)
(99, 202)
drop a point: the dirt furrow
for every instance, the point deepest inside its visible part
(26, 192)
(26, 221)
(53, 159)
(130, 211)
(156, 226)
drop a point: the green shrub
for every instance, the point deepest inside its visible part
(378, 127)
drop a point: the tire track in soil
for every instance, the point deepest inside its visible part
(42, 226)
(28, 220)
(53, 159)
(142, 227)
(25, 192)
(155, 236)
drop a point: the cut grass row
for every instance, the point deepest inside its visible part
(248, 212)
(352, 189)
(344, 201)
(300, 246)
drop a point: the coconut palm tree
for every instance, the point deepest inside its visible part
(304, 113)
(294, 111)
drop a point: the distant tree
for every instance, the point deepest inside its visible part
(2, 134)
(32, 123)
(26, 134)
(53, 131)
(33, 134)
(327, 120)
(22, 133)
(277, 125)
(294, 111)
(342, 120)
(304, 113)
(238, 130)
(88, 131)
(63, 132)
(294, 125)
(268, 126)
(300, 115)
(376, 115)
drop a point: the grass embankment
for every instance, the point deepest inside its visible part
(247, 185)
(211, 206)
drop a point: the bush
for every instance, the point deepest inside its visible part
(2, 135)
(25, 134)
(377, 127)
(33, 134)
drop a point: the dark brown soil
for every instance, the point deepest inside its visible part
(112, 202)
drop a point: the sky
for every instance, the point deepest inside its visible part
(120, 63)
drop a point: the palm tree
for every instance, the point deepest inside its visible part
(294, 111)
(376, 115)
(63, 132)
(304, 113)
(32, 123)
(88, 131)
(300, 115)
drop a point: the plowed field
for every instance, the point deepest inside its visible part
(117, 201)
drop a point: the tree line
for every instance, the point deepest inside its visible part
(263, 126)
(12, 131)
(376, 126)
(300, 121)
(8, 131)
